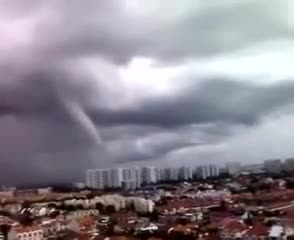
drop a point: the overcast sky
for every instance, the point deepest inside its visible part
(133, 82)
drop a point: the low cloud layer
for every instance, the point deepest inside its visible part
(125, 83)
(210, 102)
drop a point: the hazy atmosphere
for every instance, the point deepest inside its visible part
(98, 83)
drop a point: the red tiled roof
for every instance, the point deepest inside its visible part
(27, 229)
(177, 203)
(184, 228)
(221, 215)
(290, 213)
(211, 236)
(86, 223)
(258, 229)
(233, 225)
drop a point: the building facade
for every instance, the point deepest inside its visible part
(185, 173)
(273, 166)
(149, 175)
(204, 172)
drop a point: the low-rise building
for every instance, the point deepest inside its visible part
(34, 232)
(142, 205)
(82, 213)
(83, 225)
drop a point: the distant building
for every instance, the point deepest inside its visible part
(132, 175)
(44, 190)
(161, 174)
(158, 173)
(95, 178)
(213, 171)
(289, 165)
(233, 168)
(89, 178)
(185, 173)
(115, 178)
(204, 172)
(273, 166)
(129, 184)
(171, 174)
(104, 178)
(149, 175)
(252, 168)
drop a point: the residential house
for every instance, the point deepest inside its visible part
(232, 229)
(34, 232)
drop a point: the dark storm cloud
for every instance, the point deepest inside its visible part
(120, 38)
(43, 149)
(126, 131)
(153, 145)
(234, 27)
(161, 124)
(124, 35)
(6, 110)
(161, 144)
(212, 101)
(52, 111)
(44, 128)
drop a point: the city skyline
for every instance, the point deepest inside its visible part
(134, 177)
(102, 83)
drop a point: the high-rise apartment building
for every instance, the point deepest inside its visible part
(171, 174)
(95, 178)
(133, 175)
(204, 172)
(116, 177)
(132, 178)
(185, 173)
(89, 178)
(161, 176)
(289, 165)
(273, 166)
(213, 171)
(129, 184)
(104, 178)
(149, 175)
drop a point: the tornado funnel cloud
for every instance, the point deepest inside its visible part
(82, 120)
